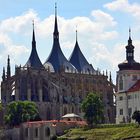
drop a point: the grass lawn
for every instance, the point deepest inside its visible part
(108, 132)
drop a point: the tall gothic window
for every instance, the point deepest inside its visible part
(48, 115)
(120, 83)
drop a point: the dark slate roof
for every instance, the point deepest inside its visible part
(129, 63)
(126, 65)
(78, 60)
(56, 57)
(34, 60)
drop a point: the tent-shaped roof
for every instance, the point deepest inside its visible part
(56, 57)
(78, 60)
(34, 60)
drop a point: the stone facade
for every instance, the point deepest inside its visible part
(57, 94)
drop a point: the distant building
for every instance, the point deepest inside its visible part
(128, 86)
(40, 130)
(59, 85)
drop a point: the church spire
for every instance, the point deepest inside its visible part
(129, 40)
(78, 60)
(34, 60)
(56, 58)
(130, 49)
(56, 33)
(8, 68)
(110, 77)
(33, 37)
(76, 35)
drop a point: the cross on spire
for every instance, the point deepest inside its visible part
(76, 34)
(33, 24)
(55, 9)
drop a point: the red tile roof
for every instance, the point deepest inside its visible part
(38, 123)
(135, 87)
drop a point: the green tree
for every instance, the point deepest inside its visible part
(18, 112)
(1, 107)
(136, 116)
(93, 108)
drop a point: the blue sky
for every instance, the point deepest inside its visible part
(102, 29)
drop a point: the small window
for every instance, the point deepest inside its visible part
(121, 98)
(129, 96)
(47, 132)
(26, 132)
(121, 111)
(36, 132)
(129, 111)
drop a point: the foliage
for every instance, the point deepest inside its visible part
(111, 133)
(93, 108)
(0, 106)
(21, 111)
(136, 116)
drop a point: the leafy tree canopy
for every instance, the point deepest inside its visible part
(136, 116)
(21, 111)
(93, 108)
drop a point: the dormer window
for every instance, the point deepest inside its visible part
(134, 78)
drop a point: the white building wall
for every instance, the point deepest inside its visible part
(131, 101)
(124, 100)
(128, 78)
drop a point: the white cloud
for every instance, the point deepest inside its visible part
(91, 32)
(7, 47)
(125, 6)
(103, 18)
(19, 24)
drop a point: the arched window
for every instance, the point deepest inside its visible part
(72, 109)
(36, 132)
(45, 93)
(65, 110)
(48, 115)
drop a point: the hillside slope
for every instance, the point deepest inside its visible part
(130, 132)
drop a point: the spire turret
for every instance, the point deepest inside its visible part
(129, 40)
(34, 60)
(129, 63)
(8, 68)
(3, 75)
(130, 49)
